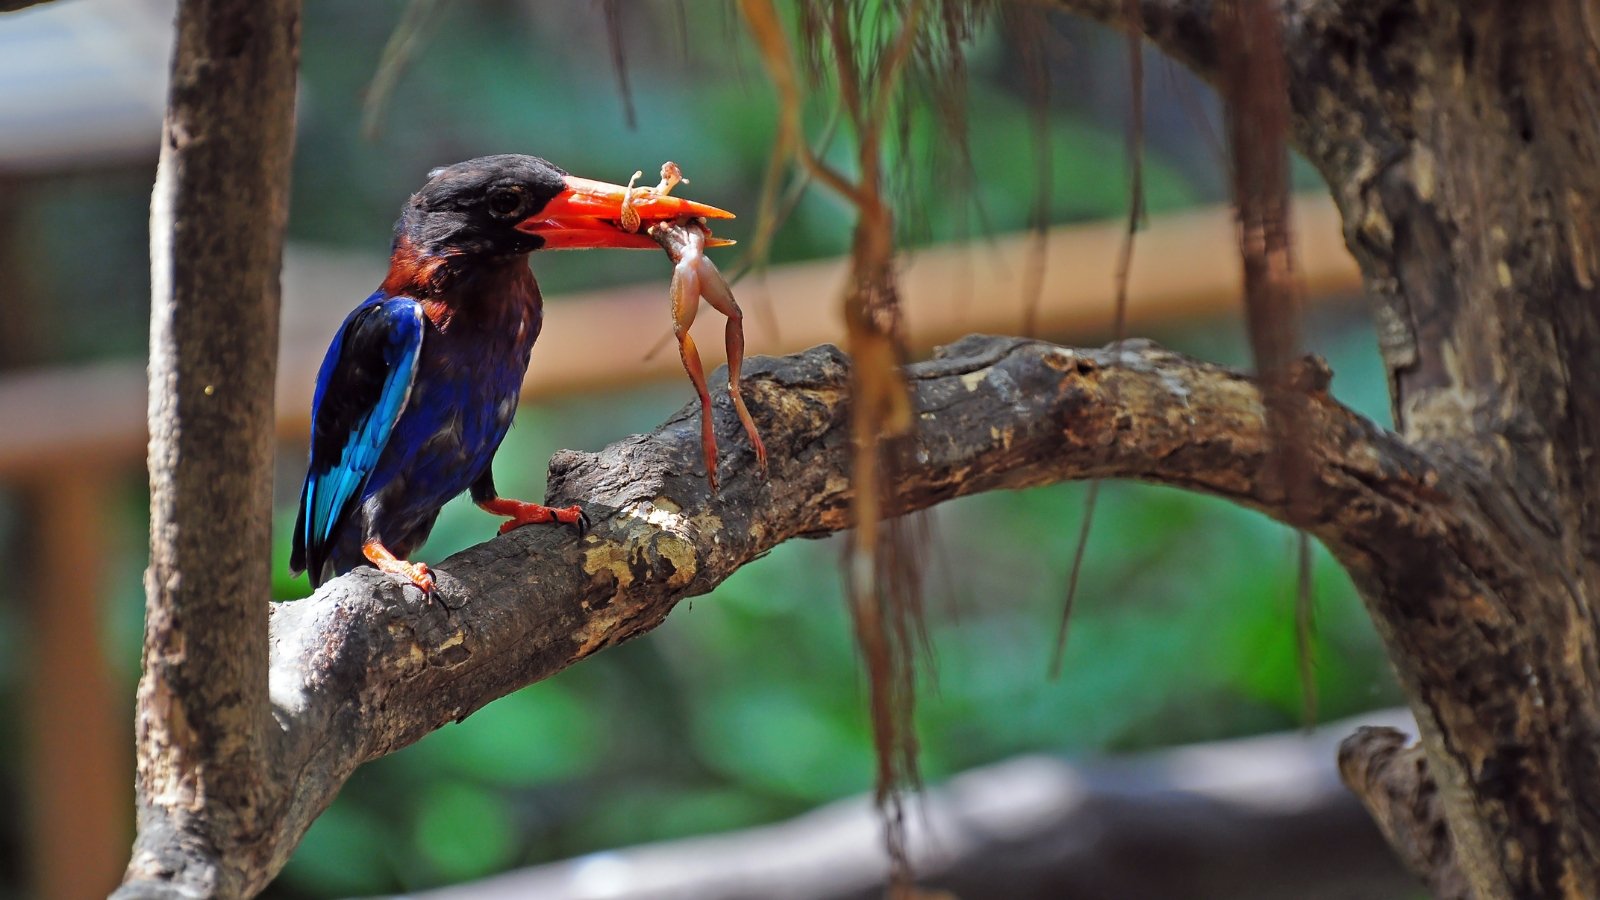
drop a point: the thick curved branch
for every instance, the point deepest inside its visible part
(365, 667)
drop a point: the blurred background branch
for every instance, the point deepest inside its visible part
(1390, 776)
(1241, 819)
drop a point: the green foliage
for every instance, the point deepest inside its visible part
(539, 737)
(347, 851)
(462, 831)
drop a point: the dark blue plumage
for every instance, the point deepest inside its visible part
(420, 384)
(407, 415)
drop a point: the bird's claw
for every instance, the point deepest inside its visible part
(535, 514)
(415, 573)
(421, 576)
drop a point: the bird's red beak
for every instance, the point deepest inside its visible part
(589, 214)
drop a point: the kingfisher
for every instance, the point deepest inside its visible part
(421, 382)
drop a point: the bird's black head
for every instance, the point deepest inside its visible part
(474, 208)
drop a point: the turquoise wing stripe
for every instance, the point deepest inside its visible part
(330, 492)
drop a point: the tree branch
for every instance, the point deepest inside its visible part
(365, 667)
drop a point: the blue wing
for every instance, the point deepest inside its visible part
(362, 389)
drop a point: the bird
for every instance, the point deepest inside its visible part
(421, 382)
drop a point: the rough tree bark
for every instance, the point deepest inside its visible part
(1460, 141)
(216, 226)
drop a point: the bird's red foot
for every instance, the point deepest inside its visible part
(534, 514)
(417, 574)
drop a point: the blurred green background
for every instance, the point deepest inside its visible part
(747, 705)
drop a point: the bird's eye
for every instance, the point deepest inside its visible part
(504, 201)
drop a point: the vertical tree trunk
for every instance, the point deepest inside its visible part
(1462, 150)
(217, 221)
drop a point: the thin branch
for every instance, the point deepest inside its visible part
(619, 59)
(1080, 548)
(405, 42)
(1027, 29)
(830, 176)
(1255, 90)
(1119, 316)
(844, 53)
(774, 210)
(365, 667)
(887, 75)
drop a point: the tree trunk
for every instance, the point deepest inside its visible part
(216, 241)
(1460, 141)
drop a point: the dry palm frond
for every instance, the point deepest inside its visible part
(868, 53)
(1254, 79)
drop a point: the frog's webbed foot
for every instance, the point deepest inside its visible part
(671, 177)
(630, 220)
